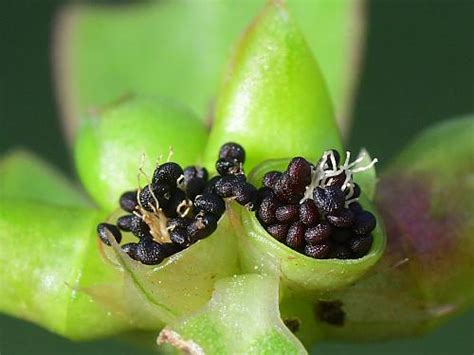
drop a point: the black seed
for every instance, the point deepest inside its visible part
(150, 252)
(361, 245)
(278, 231)
(195, 172)
(318, 251)
(167, 174)
(263, 193)
(225, 167)
(180, 237)
(177, 198)
(225, 185)
(147, 200)
(357, 191)
(266, 211)
(343, 218)
(211, 185)
(195, 186)
(103, 228)
(128, 201)
(287, 191)
(337, 158)
(341, 235)
(300, 171)
(329, 199)
(340, 252)
(318, 233)
(139, 228)
(232, 151)
(337, 180)
(201, 227)
(295, 236)
(293, 324)
(308, 213)
(356, 207)
(245, 194)
(130, 249)
(171, 248)
(177, 222)
(287, 214)
(364, 223)
(271, 178)
(330, 312)
(125, 222)
(210, 203)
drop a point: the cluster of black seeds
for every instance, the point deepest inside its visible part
(314, 209)
(179, 207)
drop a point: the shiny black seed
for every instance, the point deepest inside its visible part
(308, 213)
(128, 201)
(287, 213)
(361, 245)
(211, 185)
(103, 228)
(295, 236)
(339, 251)
(225, 185)
(364, 223)
(167, 174)
(195, 172)
(343, 218)
(300, 171)
(130, 249)
(245, 194)
(356, 207)
(125, 222)
(177, 222)
(195, 186)
(232, 151)
(226, 167)
(318, 233)
(201, 227)
(287, 191)
(177, 198)
(139, 228)
(146, 198)
(341, 235)
(180, 237)
(357, 191)
(150, 252)
(318, 251)
(266, 211)
(271, 178)
(337, 180)
(337, 158)
(328, 199)
(262, 193)
(210, 203)
(278, 231)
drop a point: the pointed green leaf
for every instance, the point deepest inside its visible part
(241, 318)
(178, 49)
(114, 143)
(48, 255)
(274, 100)
(26, 176)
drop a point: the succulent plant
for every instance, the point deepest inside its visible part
(393, 239)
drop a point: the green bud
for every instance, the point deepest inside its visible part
(273, 100)
(115, 142)
(301, 275)
(241, 318)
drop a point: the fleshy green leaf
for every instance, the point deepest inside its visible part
(25, 176)
(115, 142)
(48, 255)
(241, 318)
(274, 100)
(178, 49)
(300, 275)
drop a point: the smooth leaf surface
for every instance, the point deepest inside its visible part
(178, 49)
(24, 175)
(274, 100)
(115, 142)
(241, 318)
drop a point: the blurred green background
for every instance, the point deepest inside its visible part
(418, 69)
